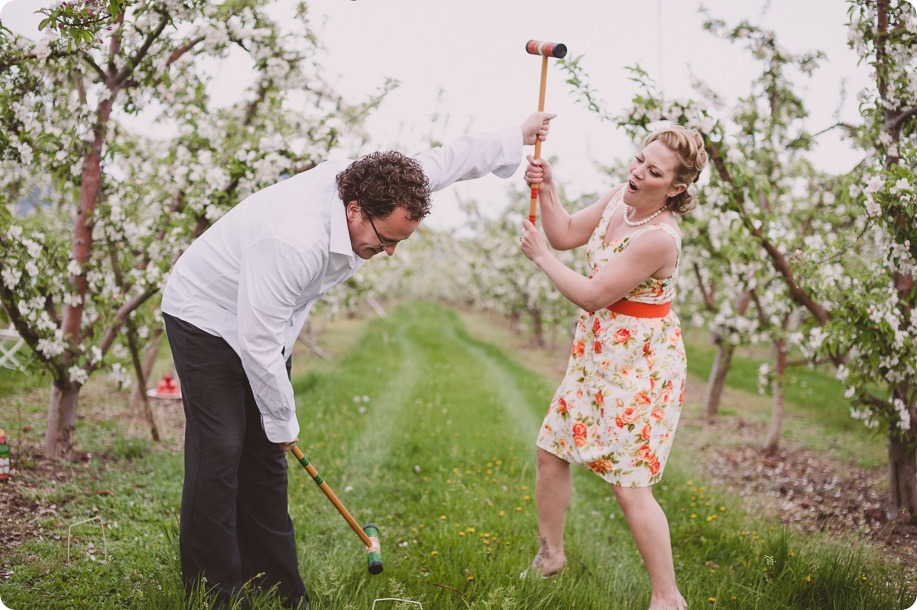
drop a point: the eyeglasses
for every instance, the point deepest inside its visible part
(383, 242)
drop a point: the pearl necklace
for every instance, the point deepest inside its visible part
(630, 223)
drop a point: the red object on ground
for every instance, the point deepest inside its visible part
(166, 388)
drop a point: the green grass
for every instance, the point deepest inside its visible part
(816, 412)
(428, 432)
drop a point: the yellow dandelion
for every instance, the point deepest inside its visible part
(518, 508)
(526, 497)
(712, 600)
(722, 508)
(502, 513)
(461, 533)
(693, 516)
(470, 530)
(434, 553)
(442, 517)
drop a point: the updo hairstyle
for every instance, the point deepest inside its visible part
(688, 146)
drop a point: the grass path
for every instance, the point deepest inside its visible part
(427, 429)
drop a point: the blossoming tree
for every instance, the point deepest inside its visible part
(853, 274)
(127, 155)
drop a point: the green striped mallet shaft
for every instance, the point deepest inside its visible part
(369, 534)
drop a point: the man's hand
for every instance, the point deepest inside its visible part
(288, 446)
(536, 127)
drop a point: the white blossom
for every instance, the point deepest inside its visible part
(904, 415)
(11, 277)
(50, 348)
(78, 374)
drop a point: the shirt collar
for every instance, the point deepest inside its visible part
(340, 235)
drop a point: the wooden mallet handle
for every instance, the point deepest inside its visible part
(369, 534)
(546, 50)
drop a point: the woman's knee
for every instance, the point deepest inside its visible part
(634, 498)
(548, 463)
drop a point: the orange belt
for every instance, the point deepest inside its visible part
(640, 310)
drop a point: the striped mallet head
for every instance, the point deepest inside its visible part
(373, 552)
(546, 49)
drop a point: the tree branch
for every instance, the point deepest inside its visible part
(121, 316)
(132, 63)
(899, 119)
(177, 53)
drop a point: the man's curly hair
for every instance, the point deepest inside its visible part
(382, 181)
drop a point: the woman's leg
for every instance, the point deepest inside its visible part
(553, 490)
(650, 529)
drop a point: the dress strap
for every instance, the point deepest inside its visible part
(614, 201)
(657, 226)
(671, 231)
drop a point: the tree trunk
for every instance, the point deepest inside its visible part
(139, 398)
(902, 448)
(902, 473)
(717, 381)
(773, 439)
(307, 338)
(61, 422)
(537, 327)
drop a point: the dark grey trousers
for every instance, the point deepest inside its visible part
(235, 524)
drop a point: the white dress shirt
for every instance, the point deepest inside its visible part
(253, 277)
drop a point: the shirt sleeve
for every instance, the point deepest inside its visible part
(473, 156)
(273, 276)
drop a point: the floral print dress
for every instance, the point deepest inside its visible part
(618, 406)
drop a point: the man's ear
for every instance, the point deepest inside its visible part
(353, 210)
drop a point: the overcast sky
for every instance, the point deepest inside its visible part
(465, 61)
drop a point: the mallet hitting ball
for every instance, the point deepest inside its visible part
(369, 533)
(546, 50)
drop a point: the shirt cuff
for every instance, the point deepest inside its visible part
(511, 151)
(280, 431)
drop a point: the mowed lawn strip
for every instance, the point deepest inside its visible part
(429, 432)
(454, 497)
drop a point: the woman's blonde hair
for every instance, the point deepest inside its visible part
(688, 145)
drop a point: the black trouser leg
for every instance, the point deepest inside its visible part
(234, 519)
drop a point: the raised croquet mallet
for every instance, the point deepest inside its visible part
(369, 534)
(546, 50)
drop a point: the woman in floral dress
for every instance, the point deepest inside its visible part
(617, 408)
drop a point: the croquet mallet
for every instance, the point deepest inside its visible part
(546, 50)
(369, 534)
